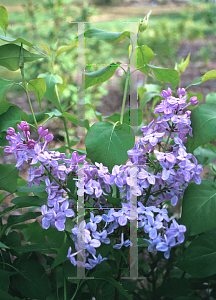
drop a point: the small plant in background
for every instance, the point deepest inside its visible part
(153, 184)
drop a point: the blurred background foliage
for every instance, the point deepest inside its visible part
(47, 24)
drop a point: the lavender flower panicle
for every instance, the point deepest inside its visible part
(173, 169)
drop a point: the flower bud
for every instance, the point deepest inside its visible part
(7, 150)
(10, 131)
(166, 93)
(143, 25)
(48, 138)
(42, 131)
(194, 101)
(24, 126)
(181, 92)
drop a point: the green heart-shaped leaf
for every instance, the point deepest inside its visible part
(108, 143)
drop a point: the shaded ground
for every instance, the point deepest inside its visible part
(135, 9)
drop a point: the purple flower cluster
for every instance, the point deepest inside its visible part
(172, 169)
(154, 221)
(93, 187)
(173, 166)
(52, 165)
(86, 239)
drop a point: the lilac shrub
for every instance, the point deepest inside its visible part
(159, 169)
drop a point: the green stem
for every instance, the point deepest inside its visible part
(125, 94)
(145, 79)
(168, 269)
(164, 149)
(21, 65)
(153, 265)
(147, 195)
(75, 291)
(79, 285)
(117, 192)
(123, 70)
(179, 79)
(2, 201)
(64, 119)
(137, 70)
(29, 101)
(66, 131)
(65, 289)
(118, 279)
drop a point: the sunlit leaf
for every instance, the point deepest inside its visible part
(166, 75)
(54, 113)
(98, 115)
(51, 81)
(142, 55)
(209, 75)
(107, 36)
(4, 22)
(203, 123)
(46, 47)
(100, 76)
(114, 118)
(76, 120)
(19, 41)
(195, 82)
(62, 86)
(63, 49)
(9, 56)
(38, 86)
(5, 85)
(183, 65)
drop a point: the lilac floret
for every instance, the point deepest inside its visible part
(123, 243)
(152, 226)
(166, 245)
(96, 260)
(153, 243)
(92, 225)
(176, 230)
